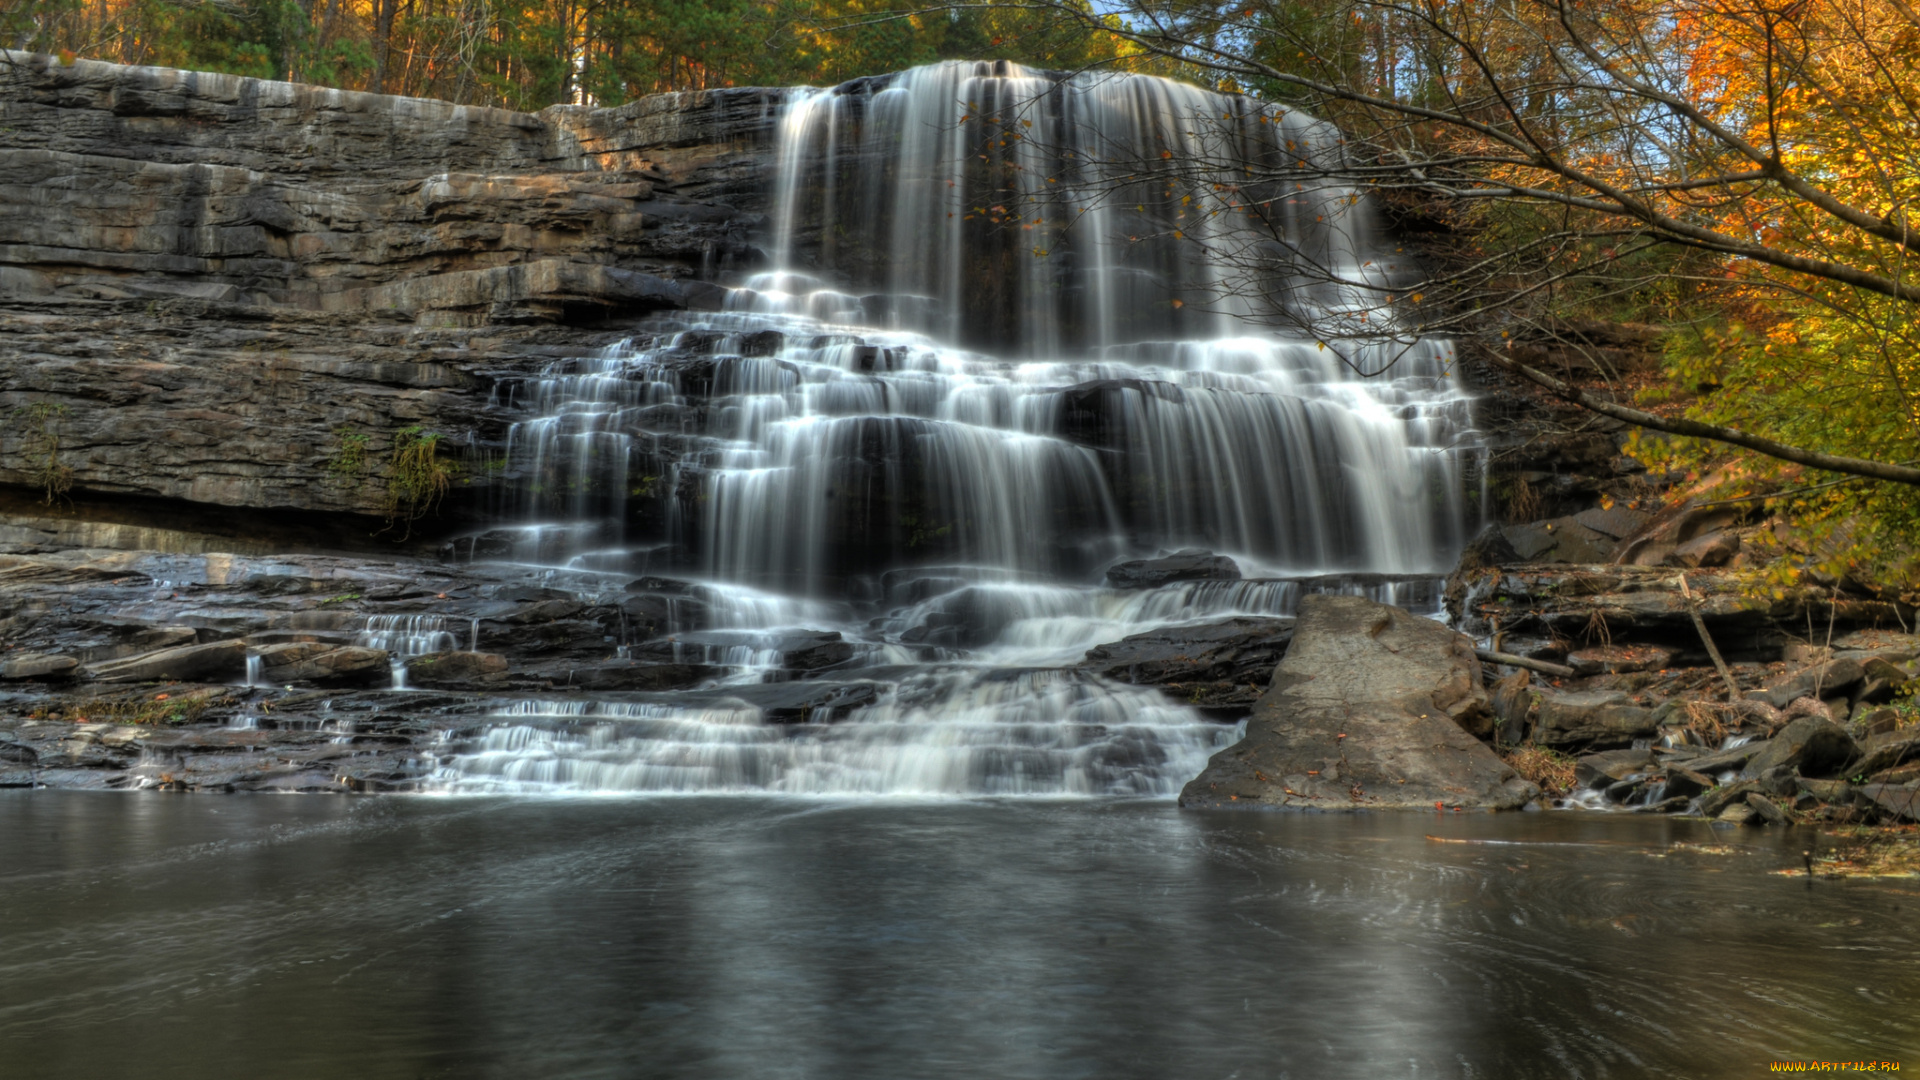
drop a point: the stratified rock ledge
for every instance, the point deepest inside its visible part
(1370, 710)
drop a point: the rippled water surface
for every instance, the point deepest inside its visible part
(160, 936)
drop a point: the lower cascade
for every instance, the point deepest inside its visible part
(865, 521)
(951, 732)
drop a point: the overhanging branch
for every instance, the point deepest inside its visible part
(1694, 429)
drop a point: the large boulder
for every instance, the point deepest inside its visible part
(798, 650)
(325, 664)
(1820, 680)
(216, 661)
(1220, 664)
(1814, 746)
(38, 666)
(1564, 540)
(631, 675)
(1888, 749)
(1898, 803)
(457, 671)
(1189, 565)
(1596, 718)
(1365, 713)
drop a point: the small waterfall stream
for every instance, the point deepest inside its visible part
(1019, 327)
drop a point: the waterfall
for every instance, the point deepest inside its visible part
(405, 636)
(1018, 326)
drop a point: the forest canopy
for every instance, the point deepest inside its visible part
(527, 54)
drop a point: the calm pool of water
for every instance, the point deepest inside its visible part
(159, 935)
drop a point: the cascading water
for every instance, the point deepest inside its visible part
(405, 636)
(1019, 327)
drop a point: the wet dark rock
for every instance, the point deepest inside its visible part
(1094, 412)
(1222, 664)
(537, 611)
(762, 343)
(808, 702)
(38, 666)
(630, 675)
(1721, 760)
(797, 650)
(1366, 711)
(457, 671)
(967, 617)
(218, 661)
(1814, 746)
(813, 650)
(324, 664)
(651, 615)
(1687, 783)
(1188, 565)
(1592, 770)
(1719, 798)
(1596, 718)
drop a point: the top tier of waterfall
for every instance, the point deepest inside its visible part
(1029, 323)
(1033, 213)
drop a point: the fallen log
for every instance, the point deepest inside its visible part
(1544, 667)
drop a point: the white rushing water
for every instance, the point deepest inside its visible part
(1019, 327)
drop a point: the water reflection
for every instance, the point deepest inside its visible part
(595, 937)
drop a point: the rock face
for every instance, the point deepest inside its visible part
(1365, 712)
(205, 279)
(1599, 719)
(1192, 565)
(1225, 664)
(457, 670)
(213, 662)
(324, 664)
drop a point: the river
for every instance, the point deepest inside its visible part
(166, 936)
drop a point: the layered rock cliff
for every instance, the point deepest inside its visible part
(216, 290)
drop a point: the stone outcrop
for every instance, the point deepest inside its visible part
(1221, 666)
(133, 182)
(1190, 565)
(1595, 718)
(228, 292)
(324, 664)
(1369, 710)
